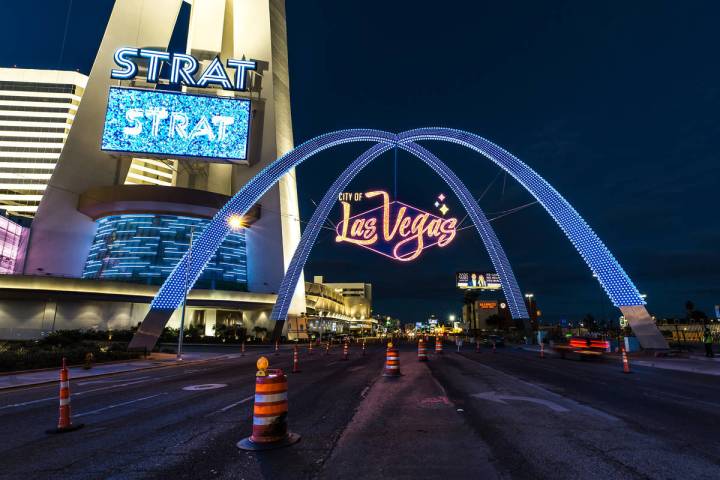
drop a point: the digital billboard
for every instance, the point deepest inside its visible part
(175, 124)
(477, 281)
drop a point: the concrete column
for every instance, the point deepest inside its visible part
(210, 322)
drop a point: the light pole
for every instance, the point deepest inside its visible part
(181, 334)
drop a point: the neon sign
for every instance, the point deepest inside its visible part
(183, 68)
(394, 229)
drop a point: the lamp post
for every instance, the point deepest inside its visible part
(235, 223)
(181, 333)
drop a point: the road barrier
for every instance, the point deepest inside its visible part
(392, 362)
(346, 351)
(296, 362)
(422, 351)
(270, 411)
(64, 422)
(438, 345)
(626, 363)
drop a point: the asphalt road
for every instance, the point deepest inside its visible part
(468, 415)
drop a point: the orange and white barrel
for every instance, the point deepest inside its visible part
(270, 411)
(422, 351)
(346, 351)
(438, 345)
(392, 362)
(64, 422)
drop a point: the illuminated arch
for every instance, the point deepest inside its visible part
(498, 257)
(610, 274)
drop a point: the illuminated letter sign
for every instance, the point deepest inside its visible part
(173, 124)
(182, 69)
(394, 229)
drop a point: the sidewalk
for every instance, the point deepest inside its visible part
(691, 364)
(156, 360)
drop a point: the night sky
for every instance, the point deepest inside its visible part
(614, 103)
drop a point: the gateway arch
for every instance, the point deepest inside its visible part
(616, 283)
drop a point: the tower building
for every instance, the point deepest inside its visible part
(37, 109)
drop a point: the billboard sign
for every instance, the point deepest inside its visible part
(477, 281)
(155, 122)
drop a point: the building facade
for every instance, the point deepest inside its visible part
(127, 217)
(37, 110)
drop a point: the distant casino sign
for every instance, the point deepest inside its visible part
(477, 281)
(166, 123)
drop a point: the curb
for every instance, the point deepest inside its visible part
(100, 375)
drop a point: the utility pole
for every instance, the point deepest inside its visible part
(184, 304)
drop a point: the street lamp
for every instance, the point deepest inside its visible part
(181, 333)
(235, 222)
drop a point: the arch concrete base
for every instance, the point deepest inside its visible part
(644, 328)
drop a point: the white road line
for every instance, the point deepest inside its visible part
(92, 412)
(232, 405)
(110, 387)
(364, 392)
(28, 403)
(92, 382)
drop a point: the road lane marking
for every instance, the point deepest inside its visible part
(206, 386)
(108, 380)
(28, 403)
(364, 392)
(78, 394)
(92, 412)
(110, 387)
(500, 398)
(232, 405)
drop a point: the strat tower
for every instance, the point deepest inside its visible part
(99, 192)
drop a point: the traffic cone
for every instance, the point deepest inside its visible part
(494, 348)
(542, 350)
(327, 348)
(438, 345)
(242, 349)
(310, 352)
(270, 411)
(296, 363)
(477, 346)
(422, 351)
(363, 347)
(277, 347)
(346, 351)
(626, 363)
(392, 362)
(64, 422)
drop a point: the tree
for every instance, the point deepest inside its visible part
(589, 322)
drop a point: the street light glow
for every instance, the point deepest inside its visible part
(235, 222)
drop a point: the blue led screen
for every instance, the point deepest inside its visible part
(144, 248)
(176, 124)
